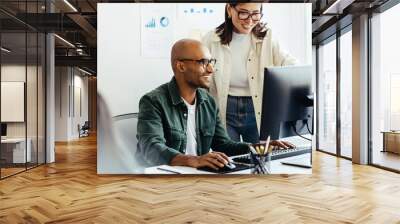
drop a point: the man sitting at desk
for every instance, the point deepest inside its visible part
(179, 122)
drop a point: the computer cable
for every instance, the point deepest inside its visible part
(308, 127)
(295, 131)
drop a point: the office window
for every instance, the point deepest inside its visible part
(346, 94)
(22, 93)
(327, 97)
(385, 87)
(13, 86)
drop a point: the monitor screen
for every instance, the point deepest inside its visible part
(3, 129)
(287, 107)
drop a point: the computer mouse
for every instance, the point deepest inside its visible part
(230, 165)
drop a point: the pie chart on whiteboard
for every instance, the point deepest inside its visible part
(164, 21)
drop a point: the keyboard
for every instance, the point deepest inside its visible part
(276, 154)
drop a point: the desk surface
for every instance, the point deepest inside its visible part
(276, 167)
(13, 140)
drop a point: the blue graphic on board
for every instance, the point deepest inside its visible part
(151, 23)
(199, 10)
(164, 21)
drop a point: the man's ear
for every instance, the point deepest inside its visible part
(180, 66)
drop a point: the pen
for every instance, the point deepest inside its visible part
(267, 144)
(295, 164)
(257, 160)
(171, 171)
(252, 150)
(258, 150)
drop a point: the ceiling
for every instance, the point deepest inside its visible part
(77, 22)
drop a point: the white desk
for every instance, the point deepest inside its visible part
(276, 167)
(18, 149)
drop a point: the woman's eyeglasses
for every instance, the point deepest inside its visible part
(204, 62)
(244, 15)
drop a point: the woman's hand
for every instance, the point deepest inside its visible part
(282, 144)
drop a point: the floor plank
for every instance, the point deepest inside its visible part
(70, 191)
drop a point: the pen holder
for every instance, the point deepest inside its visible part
(261, 159)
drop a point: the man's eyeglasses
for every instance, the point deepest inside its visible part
(204, 62)
(244, 15)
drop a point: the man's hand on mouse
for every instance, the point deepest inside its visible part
(215, 160)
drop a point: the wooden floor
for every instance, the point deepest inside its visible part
(10, 171)
(70, 191)
(386, 159)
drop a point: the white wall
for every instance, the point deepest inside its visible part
(291, 26)
(61, 103)
(68, 82)
(81, 104)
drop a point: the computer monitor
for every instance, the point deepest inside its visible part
(3, 129)
(287, 106)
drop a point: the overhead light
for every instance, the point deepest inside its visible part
(84, 71)
(331, 7)
(64, 40)
(338, 6)
(70, 5)
(80, 51)
(5, 50)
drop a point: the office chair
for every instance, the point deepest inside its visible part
(84, 130)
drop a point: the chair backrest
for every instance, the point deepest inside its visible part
(86, 125)
(117, 145)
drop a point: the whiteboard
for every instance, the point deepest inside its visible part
(126, 73)
(12, 101)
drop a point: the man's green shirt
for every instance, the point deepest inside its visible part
(161, 129)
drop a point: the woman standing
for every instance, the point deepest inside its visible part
(243, 47)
